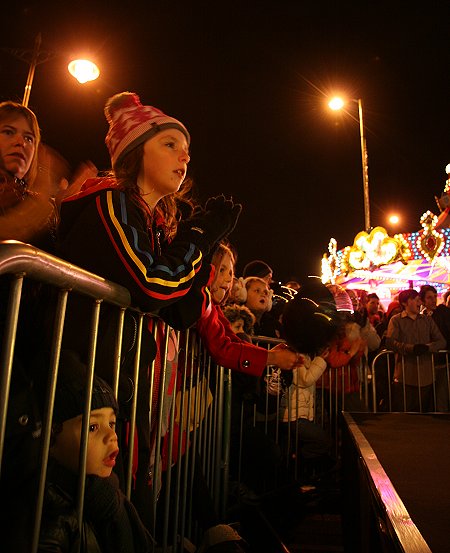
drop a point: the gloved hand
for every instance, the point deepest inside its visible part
(419, 349)
(209, 226)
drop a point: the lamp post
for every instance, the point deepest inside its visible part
(82, 70)
(336, 104)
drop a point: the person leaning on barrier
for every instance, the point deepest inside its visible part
(308, 329)
(413, 337)
(128, 227)
(248, 363)
(225, 347)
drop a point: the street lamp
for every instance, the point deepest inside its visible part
(394, 219)
(82, 70)
(336, 104)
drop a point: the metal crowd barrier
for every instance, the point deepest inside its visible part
(200, 405)
(362, 388)
(389, 390)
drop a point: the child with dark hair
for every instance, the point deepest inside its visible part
(241, 319)
(110, 522)
(307, 328)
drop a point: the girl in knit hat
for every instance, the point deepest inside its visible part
(128, 228)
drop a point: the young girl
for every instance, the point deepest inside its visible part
(308, 329)
(225, 347)
(260, 454)
(110, 521)
(126, 228)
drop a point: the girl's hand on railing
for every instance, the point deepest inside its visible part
(284, 357)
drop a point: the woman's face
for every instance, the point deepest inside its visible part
(223, 279)
(17, 146)
(164, 165)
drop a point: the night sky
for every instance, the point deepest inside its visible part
(250, 80)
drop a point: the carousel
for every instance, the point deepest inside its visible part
(377, 262)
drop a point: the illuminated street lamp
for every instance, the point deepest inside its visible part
(336, 104)
(82, 70)
(394, 219)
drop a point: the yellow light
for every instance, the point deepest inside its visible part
(83, 70)
(394, 219)
(336, 103)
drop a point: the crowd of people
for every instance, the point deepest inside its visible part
(177, 260)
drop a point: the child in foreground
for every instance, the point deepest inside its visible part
(110, 522)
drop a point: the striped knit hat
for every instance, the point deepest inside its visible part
(132, 124)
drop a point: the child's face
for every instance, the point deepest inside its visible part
(164, 165)
(257, 297)
(102, 443)
(238, 326)
(223, 279)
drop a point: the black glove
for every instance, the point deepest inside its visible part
(419, 349)
(209, 226)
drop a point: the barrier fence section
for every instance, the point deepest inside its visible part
(384, 385)
(226, 430)
(191, 433)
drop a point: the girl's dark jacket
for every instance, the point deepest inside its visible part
(103, 231)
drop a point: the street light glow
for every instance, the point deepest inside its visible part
(336, 103)
(394, 219)
(83, 70)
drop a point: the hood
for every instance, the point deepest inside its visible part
(72, 206)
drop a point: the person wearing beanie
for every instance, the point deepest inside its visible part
(258, 268)
(144, 242)
(110, 522)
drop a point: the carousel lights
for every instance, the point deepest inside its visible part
(430, 243)
(370, 251)
(447, 182)
(330, 264)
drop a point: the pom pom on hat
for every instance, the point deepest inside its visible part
(71, 389)
(132, 124)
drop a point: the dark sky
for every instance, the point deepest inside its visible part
(250, 79)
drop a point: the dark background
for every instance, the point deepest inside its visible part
(250, 81)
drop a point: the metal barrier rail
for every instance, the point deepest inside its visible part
(360, 388)
(197, 413)
(391, 388)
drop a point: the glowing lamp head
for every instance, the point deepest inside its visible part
(447, 169)
(336, 103)
(83, 70)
